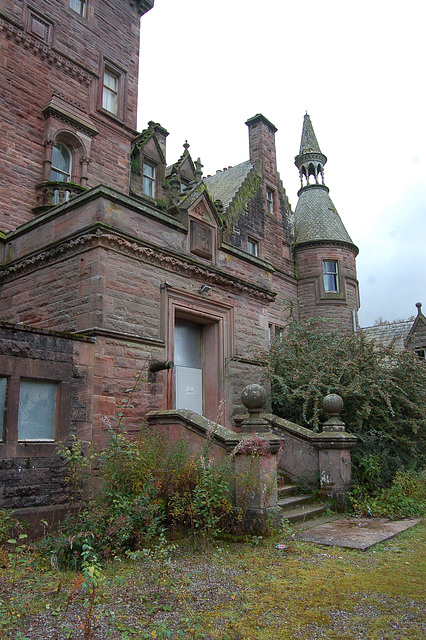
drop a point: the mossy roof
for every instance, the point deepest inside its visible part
(225, 184)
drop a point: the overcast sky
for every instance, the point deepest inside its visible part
(358, 69)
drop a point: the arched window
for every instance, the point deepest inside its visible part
(60, 170)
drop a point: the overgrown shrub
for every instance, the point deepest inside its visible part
(384, 394)
(144, 486)
(404, 498)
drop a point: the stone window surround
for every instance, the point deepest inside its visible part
(15, 369)
(322, 294)
(120, 74)
(79, 157)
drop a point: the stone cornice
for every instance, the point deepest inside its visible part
(98, 332)
(67, 112)
(101, 236)
(326, 243)
(44, 51)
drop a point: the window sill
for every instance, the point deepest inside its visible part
(111, 116)
(29, 449)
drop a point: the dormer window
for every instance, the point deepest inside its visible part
(61, 164)
(270, 201)
(79, 6)
(148, 175)
(331, 276)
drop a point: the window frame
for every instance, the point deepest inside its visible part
(110, 94)
(152, 180)
(270, 201)
(256, 246)
(113, 70)
(15, 370)
(326, 274)
(83, 8)
(53, 384)
(58, 144)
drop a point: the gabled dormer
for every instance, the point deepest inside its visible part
(148, 162)
(187, 171)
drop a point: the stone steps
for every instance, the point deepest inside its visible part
(297, 508)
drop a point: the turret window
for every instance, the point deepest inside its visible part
(331, 276)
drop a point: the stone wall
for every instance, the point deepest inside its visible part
(52, 49)
(31, 472)
(337, 308)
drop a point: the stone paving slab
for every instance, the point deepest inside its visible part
(355, 533)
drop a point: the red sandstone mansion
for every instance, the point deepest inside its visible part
(114, 262)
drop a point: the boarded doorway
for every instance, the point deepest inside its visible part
(188, 358)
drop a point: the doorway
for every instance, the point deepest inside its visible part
(189, 369)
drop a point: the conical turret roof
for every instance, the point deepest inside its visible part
(315, 218)
(309, 142)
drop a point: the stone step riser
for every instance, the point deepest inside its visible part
(303, 513)
(291, 502)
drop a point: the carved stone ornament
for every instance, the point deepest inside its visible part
(176, 264)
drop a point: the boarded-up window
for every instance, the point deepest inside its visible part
(37, 410)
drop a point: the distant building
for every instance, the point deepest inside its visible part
(114, 262)
(407, 334)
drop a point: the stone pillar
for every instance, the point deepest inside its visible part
(334, 446)
(256, 463)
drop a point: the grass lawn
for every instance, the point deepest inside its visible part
(231, 591)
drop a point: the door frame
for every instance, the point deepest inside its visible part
(218, 329)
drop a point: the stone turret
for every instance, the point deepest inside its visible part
(324, 251)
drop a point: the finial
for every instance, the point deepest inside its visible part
(333, 405)
(254, 399)
(186, 145)
(419, 308)
(198, 170)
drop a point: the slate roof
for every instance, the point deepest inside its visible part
(385, 334)
(316, 217)
(225, 184)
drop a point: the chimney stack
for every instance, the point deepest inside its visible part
(262, 144)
